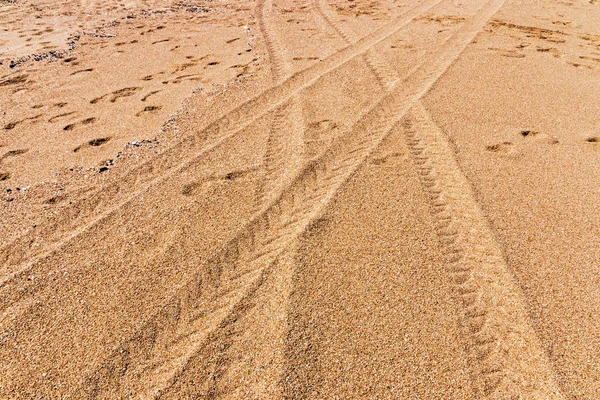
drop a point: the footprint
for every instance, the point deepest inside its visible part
(385, 158)
(553, 50)
(318, 135)
(504, 147)
(324, 125)
(92, 143)
(595, 59)
(188, 77)
(82, 70)
(55, 199)
(445, 20)
(507, 53)
(149, 94)
(99, 141)
(60, 116)
(15, 80)
(190, 188)
(541, 137)
(117, 94)
(12, 125)
(86, 121)
(183, 67)
(125, 92)
(148, 109)
(577, 65)
(305, 58)
(13, 153)
(195, 187)
(230, 176)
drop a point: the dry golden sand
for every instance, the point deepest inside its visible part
(315, 199)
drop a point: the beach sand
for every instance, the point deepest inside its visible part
(283, 199)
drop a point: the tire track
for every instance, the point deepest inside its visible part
(163, 349)
(285, 149)
(19, 257)
(285, 145)
(279, 67)
(509, 358)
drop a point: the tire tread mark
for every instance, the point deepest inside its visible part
(274, 49)
(510, 361)
(284, 151)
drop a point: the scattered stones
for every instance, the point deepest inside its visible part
(138, 143)
(52, 55)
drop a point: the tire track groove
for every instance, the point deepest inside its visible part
(274, 48)
(285, 149)
(510, 362)
(285, 144)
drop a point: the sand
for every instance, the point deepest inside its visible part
(281, 199)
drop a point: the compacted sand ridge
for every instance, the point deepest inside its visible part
(300, 199)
